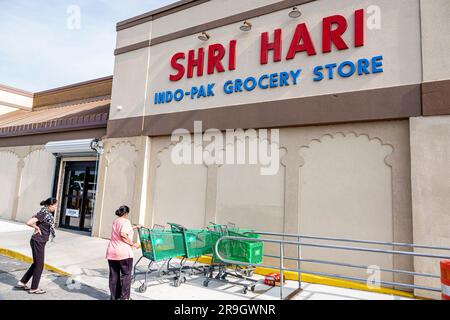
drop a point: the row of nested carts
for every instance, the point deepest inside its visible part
(174, 255)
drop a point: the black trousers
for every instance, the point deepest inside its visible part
(120, 274)
(35, 271)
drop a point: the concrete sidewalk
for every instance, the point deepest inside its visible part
(84, 258)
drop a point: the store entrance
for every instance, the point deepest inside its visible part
(78, 196)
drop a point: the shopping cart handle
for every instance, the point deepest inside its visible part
(176, 227)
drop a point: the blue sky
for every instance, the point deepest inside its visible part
(38, 51)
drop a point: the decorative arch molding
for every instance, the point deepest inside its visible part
(32, 150)
(107, 169)
(167, 148)
(12, 152)
(114, 147)
(395, 137)
(255, 136)
(349, 134)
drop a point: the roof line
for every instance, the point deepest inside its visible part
(14, 106)
(71, 86)
(75, 102)
(16, 91)
(97, 120)
(158, 13)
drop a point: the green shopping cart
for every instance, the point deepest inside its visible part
(240, 251)
(160, 247)
(197, 241)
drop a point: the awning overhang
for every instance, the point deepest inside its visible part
(72, 148)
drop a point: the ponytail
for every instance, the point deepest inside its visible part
(49, 202)
(123, 210)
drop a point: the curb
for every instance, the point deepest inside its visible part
(328, 281)
(24, 258)
(289, 275)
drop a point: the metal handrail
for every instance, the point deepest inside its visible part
(418, 274)
(298, 244)
(416, 254)
(384, 243)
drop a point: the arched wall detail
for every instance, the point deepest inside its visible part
(346, 189)
(8, 175)
(36, 182)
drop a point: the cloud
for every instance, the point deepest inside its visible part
(38, 51)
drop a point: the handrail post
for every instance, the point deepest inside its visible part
(281, 269)
(299, 256)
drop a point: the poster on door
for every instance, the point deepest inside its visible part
(73, 213)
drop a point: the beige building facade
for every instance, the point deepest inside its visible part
(350, 146)
(12, 99)
(33, 168)
(364, 127)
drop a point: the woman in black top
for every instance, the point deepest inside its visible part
(43, 224)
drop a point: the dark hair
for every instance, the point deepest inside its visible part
(49, 202)
(123, 210)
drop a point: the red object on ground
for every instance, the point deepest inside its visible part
(272, 279)
(445, 279)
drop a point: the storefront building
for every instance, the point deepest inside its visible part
(52, 149)
(359, 90)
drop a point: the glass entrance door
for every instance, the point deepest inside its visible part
(78, 198)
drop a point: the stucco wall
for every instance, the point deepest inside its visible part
(430, 162)
(350, 181)
(8, 176)
(206, 12)
(129, 84)
(5, 109)
(346, 191)
(27, 178)
(435, 17)
(120, 182)
(188, 184)
(134, 86)
(15, 99)
(36, 184)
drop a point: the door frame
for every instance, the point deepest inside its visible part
(61, 178)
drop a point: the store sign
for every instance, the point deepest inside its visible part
(72, 213)
(283, 59)
(333, 29)
(210, 60)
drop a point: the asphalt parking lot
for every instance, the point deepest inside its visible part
(57, 287)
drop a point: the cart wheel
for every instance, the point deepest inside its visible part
(183, 280)
(143, 288)
(245, 291)
(206, 283)
(177, 282)
(252, 288)
(224, 277)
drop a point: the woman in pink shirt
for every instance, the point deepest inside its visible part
(120, 255)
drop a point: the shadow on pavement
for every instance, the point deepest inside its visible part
(70, 286)
(57, 287)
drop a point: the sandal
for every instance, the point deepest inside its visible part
(38, 291)
(22, 286)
